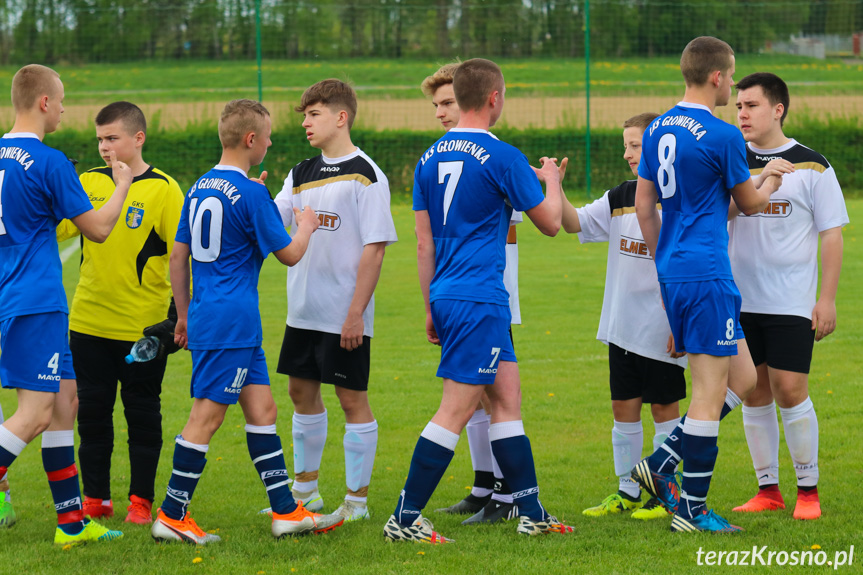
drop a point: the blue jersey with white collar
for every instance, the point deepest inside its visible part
(693, 160)
(469, 182)
(38, 188)
(230, 224)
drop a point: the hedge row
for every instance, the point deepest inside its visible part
(189, 153)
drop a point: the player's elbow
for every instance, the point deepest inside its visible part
(549, 229)
(97, 234)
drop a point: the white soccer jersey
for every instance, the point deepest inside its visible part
(351, 196)
(774, 254)
(510, 272)
(632, 315)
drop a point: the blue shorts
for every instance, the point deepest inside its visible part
(35, 352)
(220, 374)
(704, 316)
(474, 338)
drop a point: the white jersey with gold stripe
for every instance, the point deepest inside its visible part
(351, 196)
(774, 254)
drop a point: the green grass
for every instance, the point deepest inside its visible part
(567, 416)
(192, 81)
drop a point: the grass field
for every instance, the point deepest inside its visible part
(567, 416)
(541, 94)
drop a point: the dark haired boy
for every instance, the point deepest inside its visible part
(331, 294)
(776, 252)
(123, 289)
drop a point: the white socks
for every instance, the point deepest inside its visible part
(762, 436)
(361, 442)
(310, 435)
(801, 435)
(626, 442)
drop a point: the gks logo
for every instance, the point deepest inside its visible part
(133, 217)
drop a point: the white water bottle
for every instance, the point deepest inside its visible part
(144, 349)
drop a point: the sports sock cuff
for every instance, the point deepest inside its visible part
(261, 429)
(628, 428)
(478, 418)
(189, 445)
(731, 399)
(791, 413)
(64, 438)
(759, 410)
(361, 427)
(307, 419)
(701, 428)
(11, 442)
(440, 436)
(666, 427)
(505, 430)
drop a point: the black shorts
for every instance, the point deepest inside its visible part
(319, 356)
(654, 381)
(782, 341)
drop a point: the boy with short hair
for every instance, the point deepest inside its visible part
(490, 499)
(123, 289)
(774, 257)
(331, 294)
(465, 188)
(39, 188)
(643, 365)
(228, 226)
(695, 163)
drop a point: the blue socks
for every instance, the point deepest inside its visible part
(265, 448)
(432, 455)
(58, 459)
(699, 459)
(189, 462)
(511, 448)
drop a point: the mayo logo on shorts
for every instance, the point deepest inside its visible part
(54, 366)
(134, 216)
(492, 368)
(75, 501)
(775, 209)
(634, 247)
(237, 385)
(329, 221)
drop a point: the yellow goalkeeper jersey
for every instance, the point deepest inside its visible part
(124, 284)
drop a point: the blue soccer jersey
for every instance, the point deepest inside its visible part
(38, 188)
(230, 224)
(693, 160)
(469, 182)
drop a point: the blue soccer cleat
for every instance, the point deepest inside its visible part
(707, 521)
(663, 486)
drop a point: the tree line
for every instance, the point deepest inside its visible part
(83, 31)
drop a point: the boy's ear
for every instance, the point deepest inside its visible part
(249, 139)
(140, 138)
(43, 102)
(343, 118)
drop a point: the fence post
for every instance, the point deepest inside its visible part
(587, 92)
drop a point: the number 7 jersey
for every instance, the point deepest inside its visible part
(693, 160)
(469, 182)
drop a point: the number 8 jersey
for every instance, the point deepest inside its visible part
(231, 225)
(469, 182)
(693, 160)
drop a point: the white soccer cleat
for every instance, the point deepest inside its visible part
(420, 531)
(352, 510)
(302, 521)
(167, 529)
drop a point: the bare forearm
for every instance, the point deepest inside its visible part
(368, 275)
(831, 262)
(569, 215)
